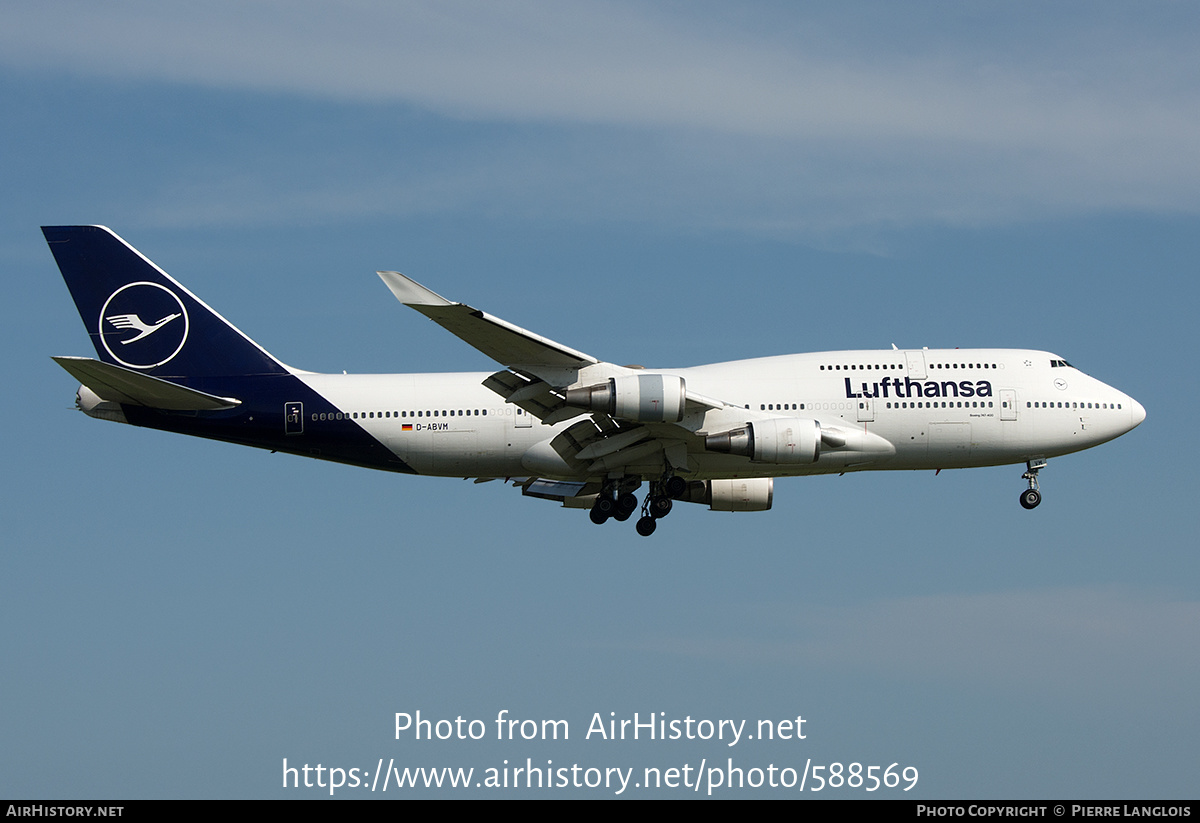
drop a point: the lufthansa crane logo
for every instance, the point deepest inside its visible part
(143, 325)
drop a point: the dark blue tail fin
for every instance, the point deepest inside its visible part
(139, 317)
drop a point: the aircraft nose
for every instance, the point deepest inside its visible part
(1137, 413)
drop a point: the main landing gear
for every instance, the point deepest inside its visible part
(616, 506)
(618, 501)
(659, 503)
(1031, 496)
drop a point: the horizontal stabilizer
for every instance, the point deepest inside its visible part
(121, 385)
(505, 343)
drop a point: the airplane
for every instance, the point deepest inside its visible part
(562, 425)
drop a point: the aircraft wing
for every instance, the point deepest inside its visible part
(505, 343)
(537, 369)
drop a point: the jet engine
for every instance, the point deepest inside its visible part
(642, 398)
(750, 494)
(781, 440)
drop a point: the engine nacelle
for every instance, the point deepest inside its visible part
(781, 440)
(642, 398)
(751, 494)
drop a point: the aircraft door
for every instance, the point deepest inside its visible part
(1008, 404)
(524, 420)
(866, 410)
(915, 361)
(293, 418)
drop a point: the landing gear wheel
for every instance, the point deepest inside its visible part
(1031, 496)
(660, 506)
(675, 487)
(626, 505)
(602, 509)
(646, 526)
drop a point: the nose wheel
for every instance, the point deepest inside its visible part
(1031, 497)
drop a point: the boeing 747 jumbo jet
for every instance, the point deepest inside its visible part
(562, 425)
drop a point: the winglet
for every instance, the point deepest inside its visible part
(410, 292)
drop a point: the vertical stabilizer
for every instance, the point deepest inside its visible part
(141, 318)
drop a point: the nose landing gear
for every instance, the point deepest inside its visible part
(1031, 497)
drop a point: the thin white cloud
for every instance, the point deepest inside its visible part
(790, 120)
(605, 63)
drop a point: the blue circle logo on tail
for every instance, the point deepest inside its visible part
(143, 325)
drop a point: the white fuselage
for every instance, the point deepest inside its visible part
(947, 408)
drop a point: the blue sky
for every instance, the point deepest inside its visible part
(668, 185)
